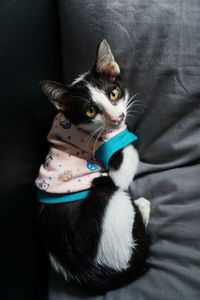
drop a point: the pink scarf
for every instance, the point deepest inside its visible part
(70, 165)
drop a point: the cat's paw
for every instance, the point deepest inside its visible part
(144, 208)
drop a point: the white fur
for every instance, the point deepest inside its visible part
(79, 78)
(57, 266)
(124, 175)
(116, 243)
(144, 208)
(105, 104)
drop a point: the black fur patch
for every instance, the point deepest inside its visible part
(116, 160)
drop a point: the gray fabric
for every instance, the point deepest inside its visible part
(158, 45)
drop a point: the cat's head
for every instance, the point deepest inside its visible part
(96, 99)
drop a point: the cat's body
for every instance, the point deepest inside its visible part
(99, 242)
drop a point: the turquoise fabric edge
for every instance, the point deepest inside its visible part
(103, 154)
(48, 198)
(107, 149)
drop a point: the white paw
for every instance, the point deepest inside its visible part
(144, 208)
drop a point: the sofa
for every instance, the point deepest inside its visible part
(157, 45)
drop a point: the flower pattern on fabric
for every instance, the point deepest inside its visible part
(43, 184)
(65, 176)
(65, 124)
(92, 167)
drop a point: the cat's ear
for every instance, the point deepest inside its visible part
(56, 92)
(105, 62)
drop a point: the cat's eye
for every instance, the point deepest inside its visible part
(114, 95)
(91, 112)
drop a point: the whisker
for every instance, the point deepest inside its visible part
(91, 133)
(91, 136)
(130, 99)
(136, 102)
(130, 113)
(88, 143)
(96, 142)
(131, 107)
(130, 110)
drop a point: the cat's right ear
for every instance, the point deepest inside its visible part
(55, 92)
(105, 61)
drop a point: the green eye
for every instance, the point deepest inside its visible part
(114, 95)
(91, 112)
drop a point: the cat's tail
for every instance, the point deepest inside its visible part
(99, 279)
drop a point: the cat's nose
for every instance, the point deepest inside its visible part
(119, 119)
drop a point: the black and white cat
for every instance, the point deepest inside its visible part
(100, 242)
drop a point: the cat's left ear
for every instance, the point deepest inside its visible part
(56, 92)
(105, 61)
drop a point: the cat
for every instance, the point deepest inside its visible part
(98, 243)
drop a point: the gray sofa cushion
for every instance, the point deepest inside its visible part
(158, 45)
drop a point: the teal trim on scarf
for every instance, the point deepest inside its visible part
(48, 198)
(119, 141)
(103, 154)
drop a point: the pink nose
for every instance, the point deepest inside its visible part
(119, 119)
(115, 120)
